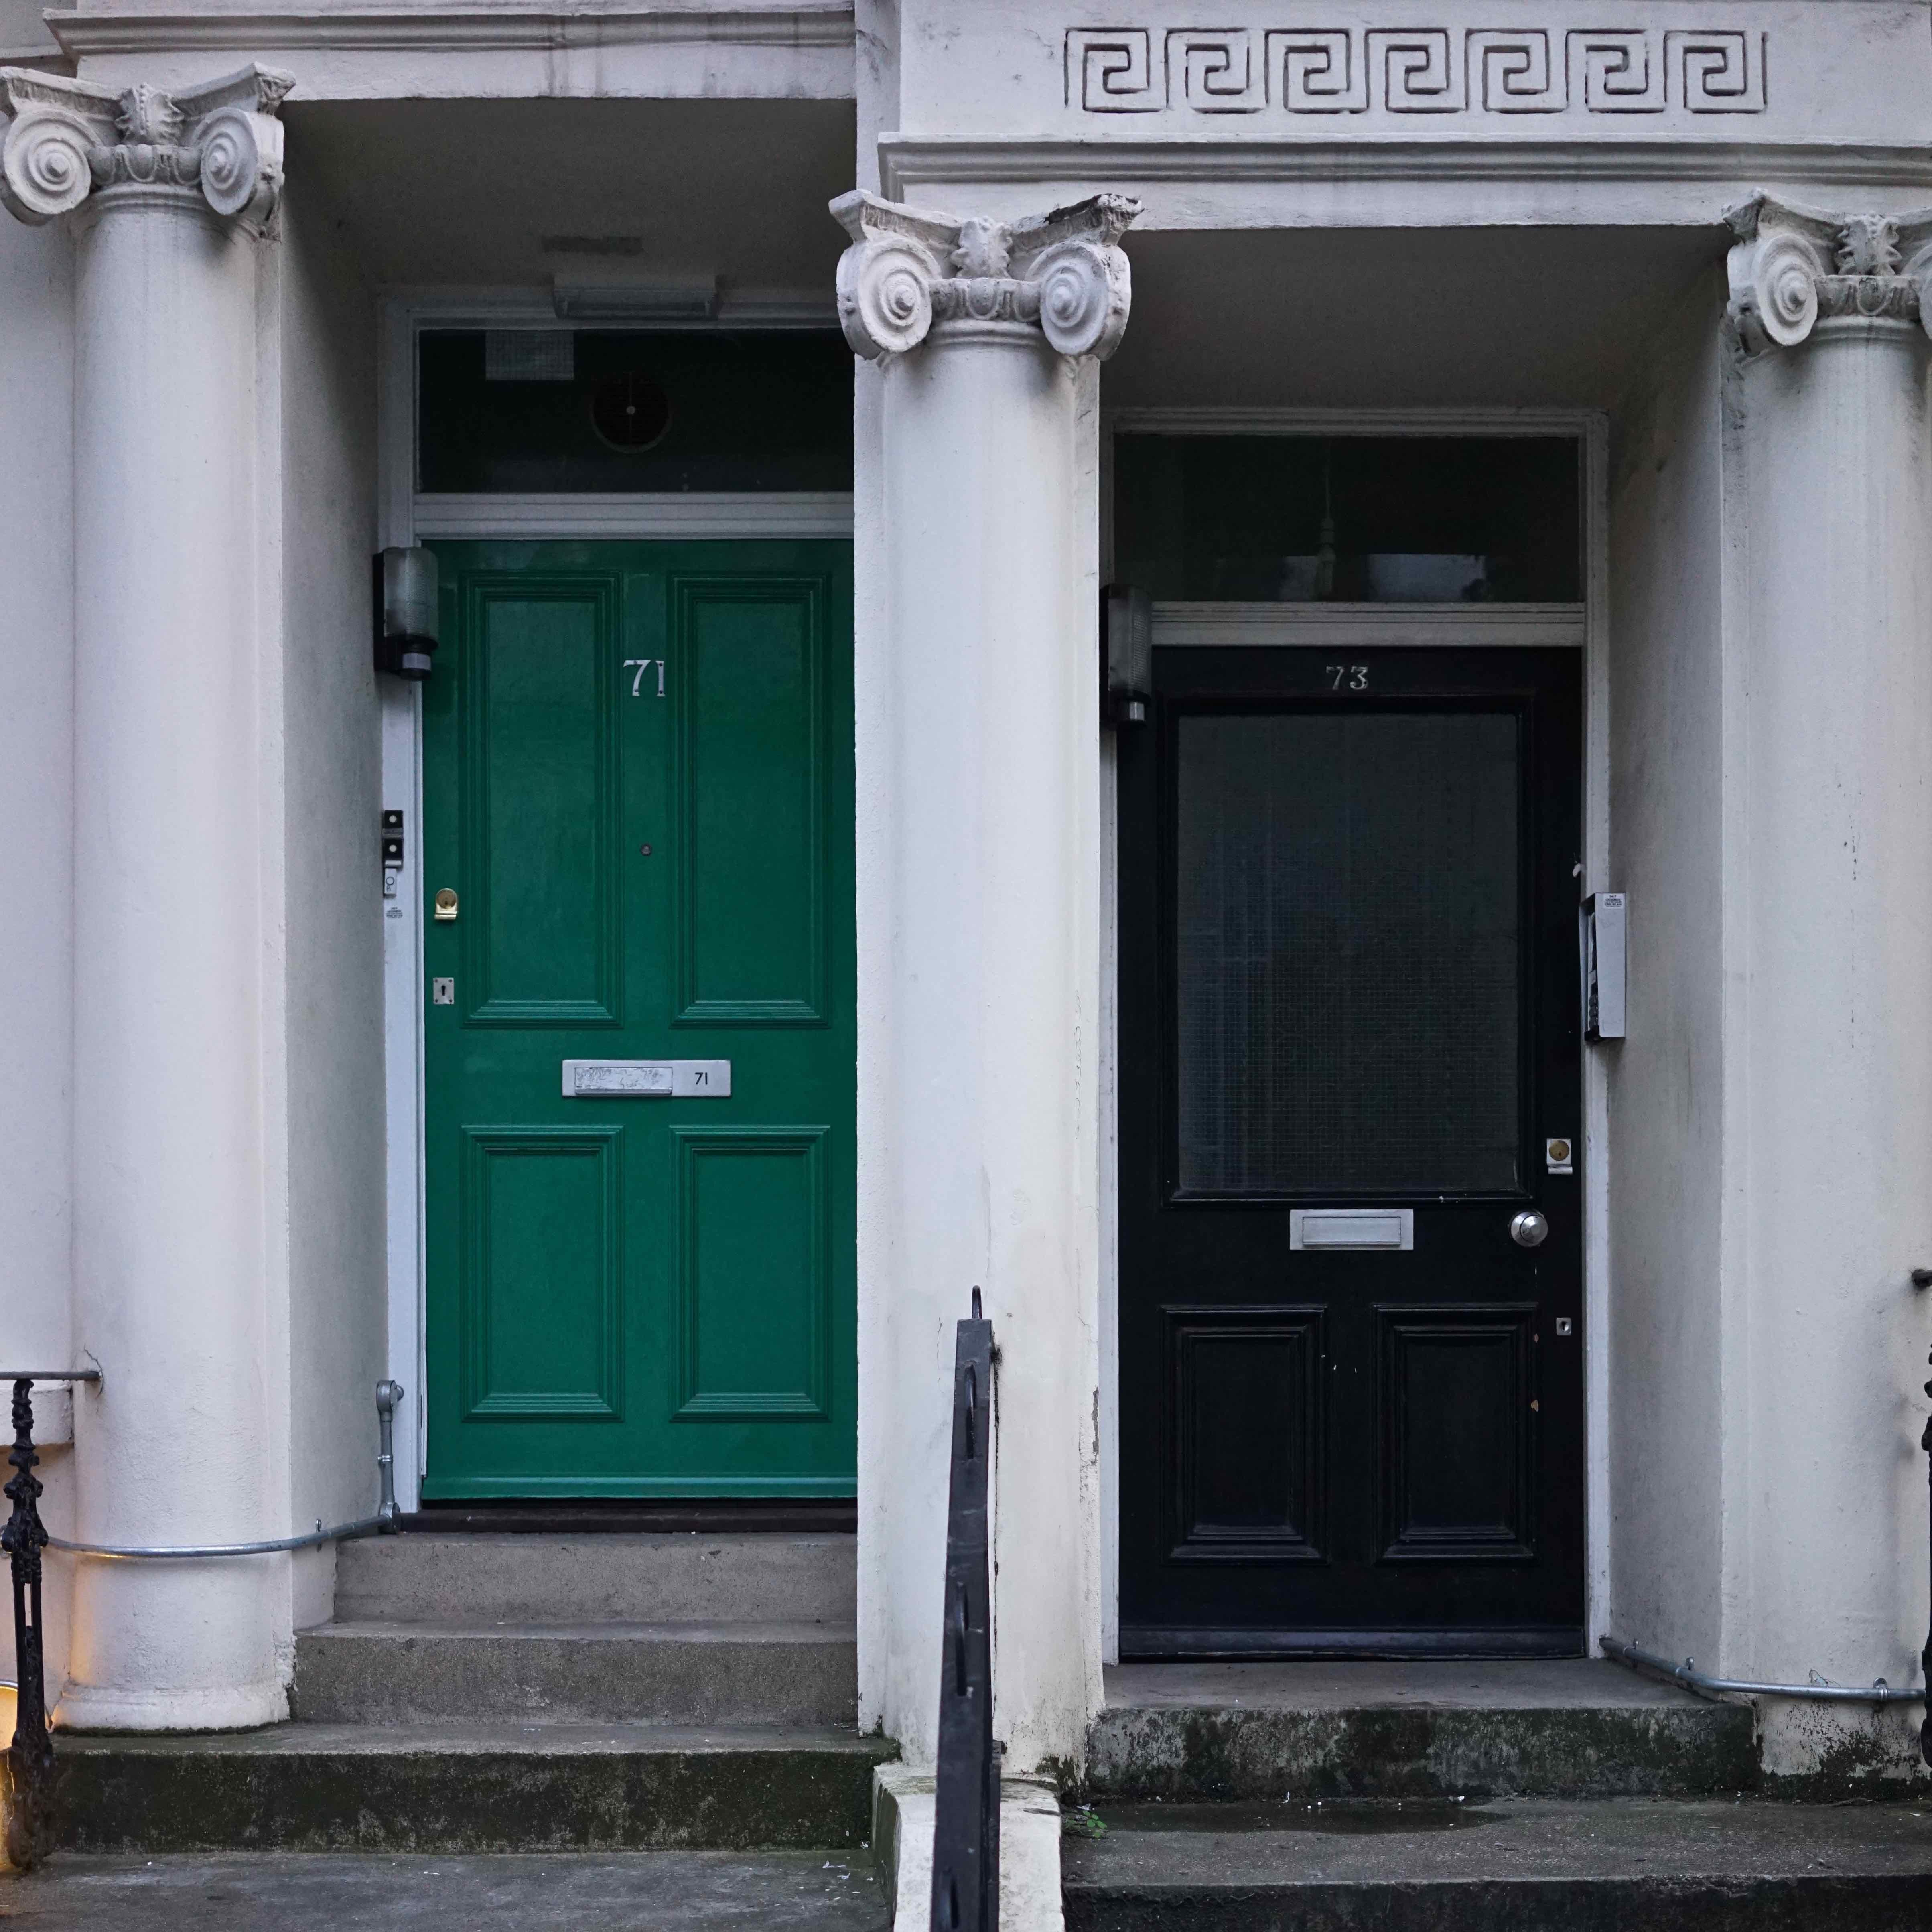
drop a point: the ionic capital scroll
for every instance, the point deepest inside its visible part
(1792, 266)
(1064, 273)
(68, 138)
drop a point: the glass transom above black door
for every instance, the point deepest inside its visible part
(1349, 519)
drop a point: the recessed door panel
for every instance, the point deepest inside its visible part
(542, 1309)
(750, 800)
(753, 1289)
(1247, 1389)
(1348, 1027)
(540, 899)
(637, 827)
(1456, 1436)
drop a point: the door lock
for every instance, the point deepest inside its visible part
(1530, 1228)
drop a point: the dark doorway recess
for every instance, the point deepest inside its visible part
(1351, 1402)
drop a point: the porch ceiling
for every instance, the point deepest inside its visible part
(465, 191)
(1356, 318)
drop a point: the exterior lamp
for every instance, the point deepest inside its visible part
(1126, 654)
(406, 611)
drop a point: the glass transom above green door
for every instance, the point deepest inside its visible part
(637, 786)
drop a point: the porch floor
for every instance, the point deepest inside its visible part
(1508, 1683)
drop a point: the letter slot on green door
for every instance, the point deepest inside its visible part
(639, 1105)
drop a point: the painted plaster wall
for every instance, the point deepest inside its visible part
(337, 1295)
(1665, 1080)
(36, 854)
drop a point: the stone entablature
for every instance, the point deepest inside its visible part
(1282, 71)
(1329, 71)
(68, 138)
(1793, 267)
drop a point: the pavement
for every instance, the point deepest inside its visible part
(632, 1892)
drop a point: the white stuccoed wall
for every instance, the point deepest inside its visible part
(321, 326)
(1666, 1093)
(36, 859)
(1829, 952)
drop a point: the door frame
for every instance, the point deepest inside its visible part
(1585, 627)
(406, 515)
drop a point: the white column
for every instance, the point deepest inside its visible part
(979, 787)
(170, 194)
(1830, 1086)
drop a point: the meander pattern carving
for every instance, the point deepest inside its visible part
(1343, 70)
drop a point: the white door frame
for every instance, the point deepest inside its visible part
(406, 515)
(1586, 626)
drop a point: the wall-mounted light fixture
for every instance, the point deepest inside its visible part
(1126, 654)
(406, 611)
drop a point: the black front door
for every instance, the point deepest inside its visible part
(1352, 1398)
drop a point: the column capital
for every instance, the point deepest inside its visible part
(1791, 265)
(67, 138)
(1064, 273)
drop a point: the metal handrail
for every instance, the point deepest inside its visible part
(966, 1804)
(1818, 1690)
(175, 1552)
(387, 1517)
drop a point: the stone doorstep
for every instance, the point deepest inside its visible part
(1030, 1828)
(468, 1788)
(1614, 1865)
(1261, 1732)
(730, 1673)
(626, 1577)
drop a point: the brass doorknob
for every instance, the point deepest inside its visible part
(1529, 1229)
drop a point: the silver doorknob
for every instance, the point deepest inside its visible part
(1529, 1229)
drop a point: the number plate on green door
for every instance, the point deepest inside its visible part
(637, 785)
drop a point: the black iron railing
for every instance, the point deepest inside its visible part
(1925, 1657)
(27, 1769)
(27, 1799)
(966, 1820)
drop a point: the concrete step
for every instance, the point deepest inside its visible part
(1520, 1865)
(422, 1578)
(1583, 1729)
(817, 1890)
(672, 1673)
(467, 1788)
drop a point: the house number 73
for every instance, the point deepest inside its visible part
(1341, 677)
(643, 665)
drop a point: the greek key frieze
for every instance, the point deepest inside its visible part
(1415, 70)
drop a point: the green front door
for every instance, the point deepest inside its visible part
(638, 874)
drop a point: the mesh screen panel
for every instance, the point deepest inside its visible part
(1349, 948)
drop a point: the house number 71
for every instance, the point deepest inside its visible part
(643, 665)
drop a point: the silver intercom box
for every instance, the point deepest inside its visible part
(1605, 965)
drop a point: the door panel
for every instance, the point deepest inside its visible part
(540, 896)
(1349, 982)
(751, 786)
(637, 777)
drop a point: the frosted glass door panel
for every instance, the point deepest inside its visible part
(1348, 946)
